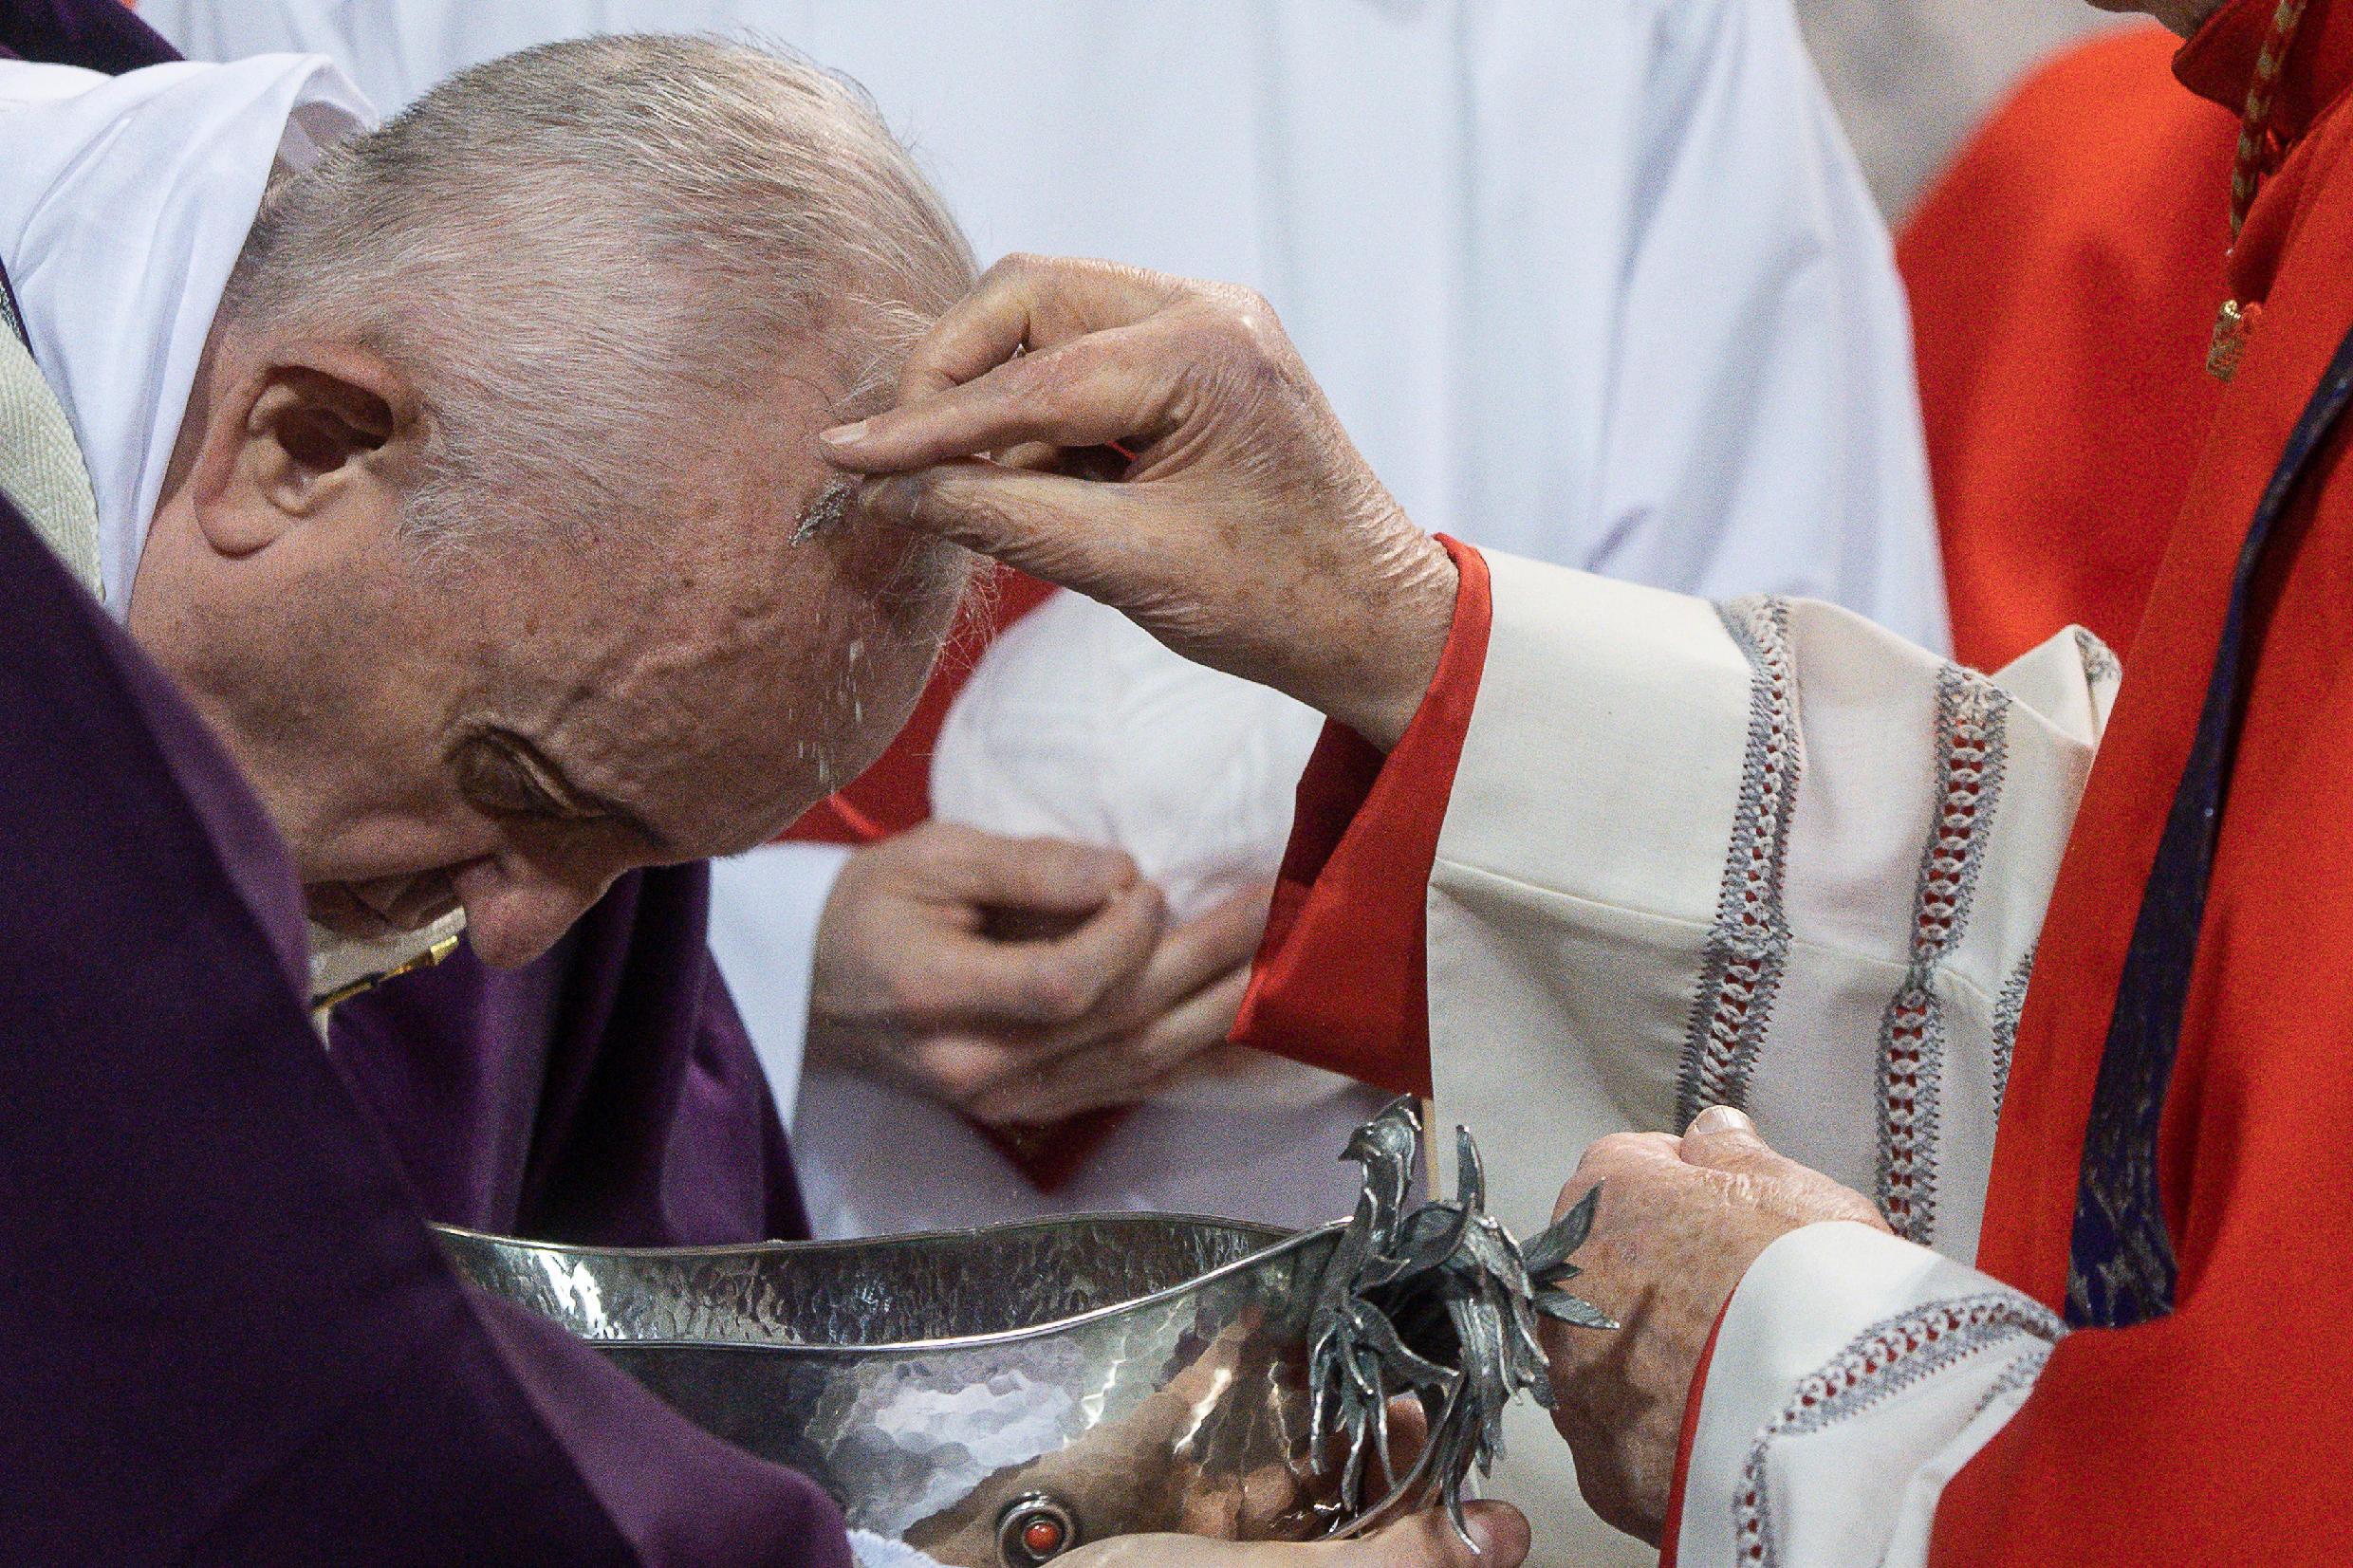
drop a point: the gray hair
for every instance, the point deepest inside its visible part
(564, 247)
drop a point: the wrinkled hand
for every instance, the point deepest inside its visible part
(1680, 1221)
(1019, 980)
(1418, 1541)
(1248, 533)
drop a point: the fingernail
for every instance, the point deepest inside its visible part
(1720, 1118)
(1482, 1531)
(845, 436)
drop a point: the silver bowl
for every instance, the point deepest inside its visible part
(991, 1396)
(998, 1396)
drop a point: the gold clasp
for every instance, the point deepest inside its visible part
(2234, 324)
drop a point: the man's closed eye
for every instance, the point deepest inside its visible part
(500, 777)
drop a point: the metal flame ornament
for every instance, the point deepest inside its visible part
(1440, 1302)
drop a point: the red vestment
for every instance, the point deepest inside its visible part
(2218, 1431)
(2064, 273)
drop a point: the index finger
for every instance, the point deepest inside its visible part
(1100, 386)
(1028, 303)
(987, 982)
(1033, 873)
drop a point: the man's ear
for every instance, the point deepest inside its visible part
(306, 436)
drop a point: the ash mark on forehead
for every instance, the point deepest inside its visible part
(825, 509)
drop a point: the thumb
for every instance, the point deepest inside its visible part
(1064, 530)
(1060, 875)
(1427, 1539)
(1722, 1138)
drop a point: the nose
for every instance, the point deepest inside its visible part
(516, 911)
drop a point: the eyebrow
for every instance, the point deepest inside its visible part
(579, 794)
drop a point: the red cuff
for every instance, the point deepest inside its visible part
(1669, 1538)
(1342, 977)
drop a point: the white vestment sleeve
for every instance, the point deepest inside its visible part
(1761, 853)
(1854, 1374)
(765, 906)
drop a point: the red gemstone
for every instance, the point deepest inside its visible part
(1043, 1536)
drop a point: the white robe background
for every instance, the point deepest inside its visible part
(1596, 283)
(1592, 282)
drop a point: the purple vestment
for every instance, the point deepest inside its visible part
(230, 1337)
(605, 1094)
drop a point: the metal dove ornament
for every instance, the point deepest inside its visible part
(996, 1397)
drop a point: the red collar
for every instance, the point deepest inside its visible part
(2219, 61)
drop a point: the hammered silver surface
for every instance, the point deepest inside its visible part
(1146, 1369)
(884, 1291)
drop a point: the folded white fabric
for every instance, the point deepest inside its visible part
(1077, 725)
(123, 205)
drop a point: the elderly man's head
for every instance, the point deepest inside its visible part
(494, 544)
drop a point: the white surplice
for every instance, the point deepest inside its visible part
(124, 207)
(1763, 853)
(1078, 725)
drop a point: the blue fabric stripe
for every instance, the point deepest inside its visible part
(2120, 1267)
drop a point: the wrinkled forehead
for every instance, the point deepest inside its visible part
(719, 683)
